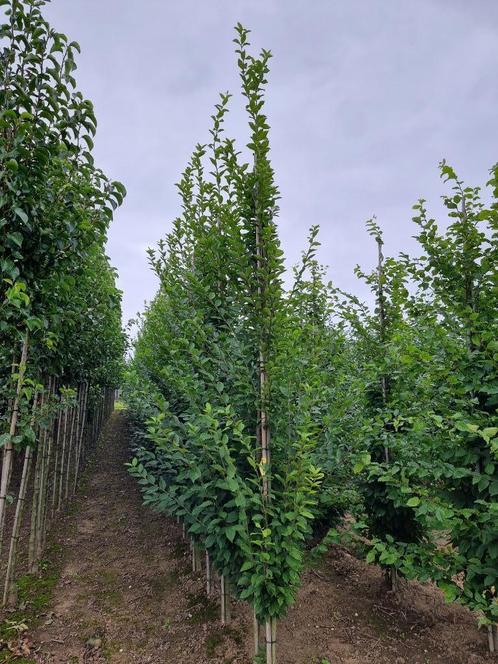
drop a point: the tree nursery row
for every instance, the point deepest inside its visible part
(269, 418)
(61, 342)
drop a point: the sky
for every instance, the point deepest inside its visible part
(365, 97)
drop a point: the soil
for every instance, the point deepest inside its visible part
(127, 595)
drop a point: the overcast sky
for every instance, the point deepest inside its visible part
(365, 98)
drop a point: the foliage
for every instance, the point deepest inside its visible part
(56, 286)
(224, 358)
(265, 416)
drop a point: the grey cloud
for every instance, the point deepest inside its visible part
(365, 98)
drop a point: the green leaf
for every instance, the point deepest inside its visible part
(21, 214)
(15, 238)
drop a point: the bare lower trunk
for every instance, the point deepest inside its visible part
(493, 639)
(80, 435)
(34, 509)
(196, 558)
(56, 464)
(63, 461)
(271, 641)
(259, 636)
(47, 456)
(225, 600)
(10, 588)
(70, 450)
(9, 447)
(209, 579)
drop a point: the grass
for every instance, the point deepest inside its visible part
(35, 592)
(34, 596)
(203, 609)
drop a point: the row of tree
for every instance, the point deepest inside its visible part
(264, 415)
(61, 343)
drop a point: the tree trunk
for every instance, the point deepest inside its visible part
(271, 641)
(63, 461)
(9, 447)
(56, 464)
(209, 578)
(225, 600)
(259, 636)
(70, 450)
(10, 589)
(491, 639)
(80, 435)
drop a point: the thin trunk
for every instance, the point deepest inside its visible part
(81, 435)
(259, 636)
(47, 455)
(9, 447)
(491, 639)
(271, 623)
(198, 558)
(225, 600)
(271, 641)
(70, 450)
(63, 461)
(32, 564)
(209, 588)
(10, 588)
(381, 303)
(56, 464)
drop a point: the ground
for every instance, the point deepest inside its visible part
(126, 594)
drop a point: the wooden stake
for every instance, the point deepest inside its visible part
(44, 492)
(56, 464)
(491, 639)
(81, 434)
(259, 637)
(70, 450)
(9, 447)
(196, 557)
(10, 588)
(271, 641)
(208, 575)
(225, 600)
(63, 460)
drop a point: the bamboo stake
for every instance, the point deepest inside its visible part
(259, 637)
(271, 623)
(63, 454)
(69, 451)
(37, 509)
(196, 557)
(32, 564)
(491, 639)
(42, 513)
(271, 641)
(10, 588)
(56, 464)
(225, 600)
(81, 435)
(209, 588)
(382, 319)
(9, 447)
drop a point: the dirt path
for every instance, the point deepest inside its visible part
(126, 595)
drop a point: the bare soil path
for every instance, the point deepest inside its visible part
(126, 595)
